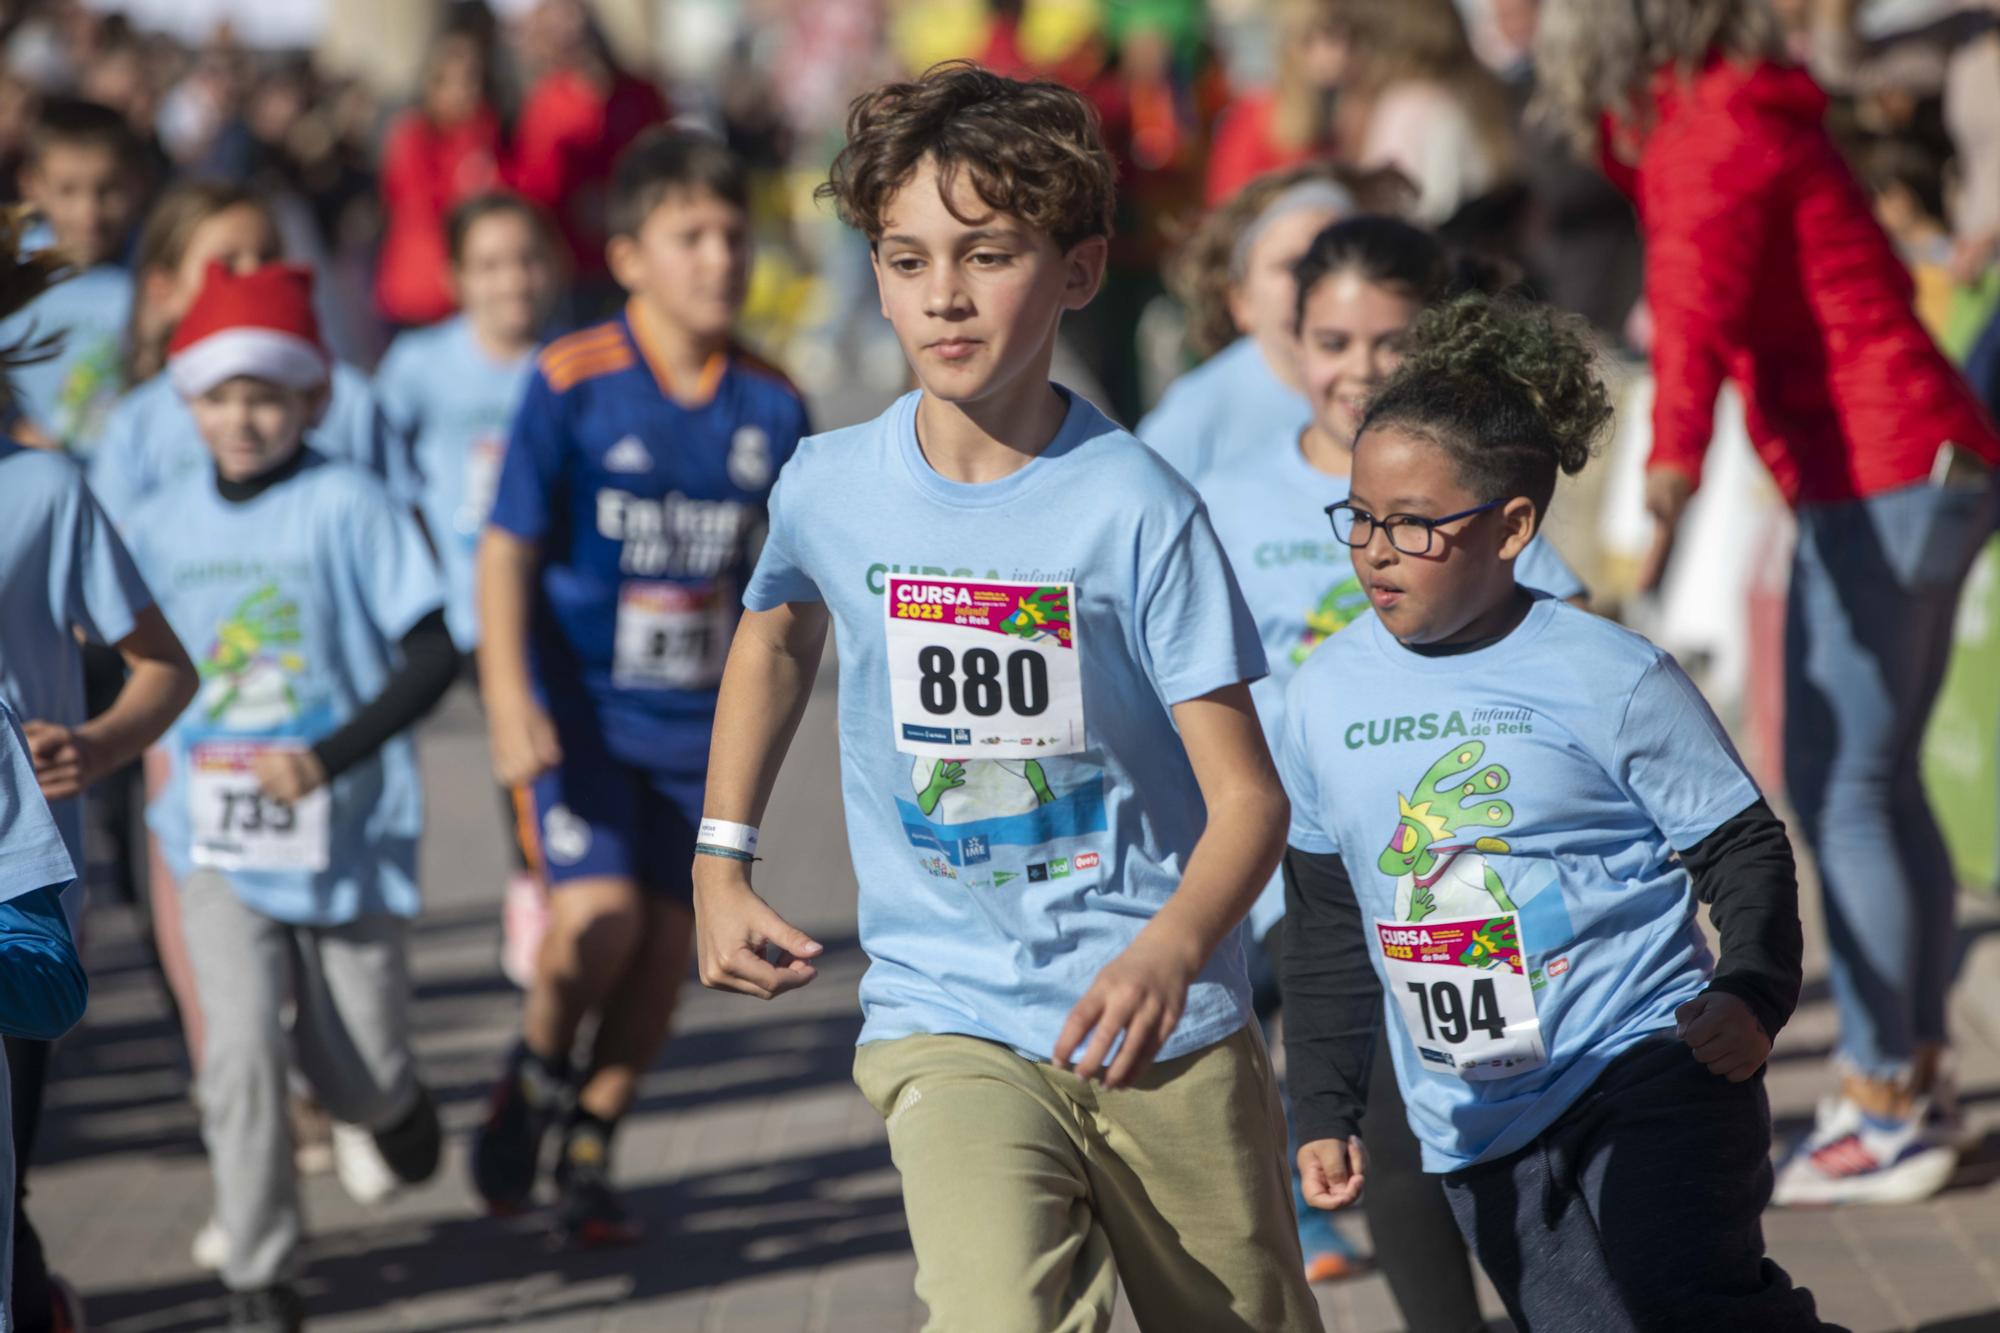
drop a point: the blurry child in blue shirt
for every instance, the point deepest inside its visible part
(150, 438)
(293, 811)
(82, 177)
(451, 388)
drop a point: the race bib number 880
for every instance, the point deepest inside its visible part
(982, 669)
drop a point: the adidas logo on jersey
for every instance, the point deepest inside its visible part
(628, 455)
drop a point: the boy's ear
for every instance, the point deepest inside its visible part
(1085, 260)
(316, 404)
(1518, 525)
(875, 264)
(28, 179)
(621, 256)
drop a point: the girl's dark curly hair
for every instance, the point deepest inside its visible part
(1507, 387)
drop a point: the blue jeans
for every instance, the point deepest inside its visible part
(1875, 586)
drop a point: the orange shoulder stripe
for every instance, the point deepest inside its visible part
(574, 371)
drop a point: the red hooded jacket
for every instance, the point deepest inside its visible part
(1765, 265)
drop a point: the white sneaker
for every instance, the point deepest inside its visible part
(210, 1250)
(1850, 1158)
(358, 1165)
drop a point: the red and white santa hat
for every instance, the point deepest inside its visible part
(259, 324)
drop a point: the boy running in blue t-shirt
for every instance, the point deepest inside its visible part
(1505, 813)
(293, 811)
(1058, 800)
(611, 576)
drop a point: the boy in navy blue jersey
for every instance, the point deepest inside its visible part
(610, 577)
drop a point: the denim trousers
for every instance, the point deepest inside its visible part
(1875, 587)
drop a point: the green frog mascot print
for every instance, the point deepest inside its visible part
(1436, 868)
(987, 697)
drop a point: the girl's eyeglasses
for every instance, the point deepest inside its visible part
(1412, 534)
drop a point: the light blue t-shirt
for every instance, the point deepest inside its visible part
(1229, 404)
(62, 568)
(453, 403)
(994, 891)
(292, 604)
(151, 440)
(1269, 509)
(32, 854)
(1556, 770)
(70, 396)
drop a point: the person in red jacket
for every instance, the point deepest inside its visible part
(444, 150)
(1765, 266)
(578, 117)
(1264, 130)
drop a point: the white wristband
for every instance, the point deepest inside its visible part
(722, 833)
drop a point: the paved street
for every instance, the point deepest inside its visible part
(761, 1175)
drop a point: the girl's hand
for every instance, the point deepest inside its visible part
(1331, 1173)
(288, 775)
(1140, 994)
(1723, 1034)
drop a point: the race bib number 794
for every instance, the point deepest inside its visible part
(983, 669)
(1465, 996)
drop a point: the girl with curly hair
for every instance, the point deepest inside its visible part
(1558, 800)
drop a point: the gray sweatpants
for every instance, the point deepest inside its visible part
(349, 988)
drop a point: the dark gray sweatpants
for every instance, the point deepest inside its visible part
(1640, 1211)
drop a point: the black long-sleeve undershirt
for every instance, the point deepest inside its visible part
(430, 664)
(1743, 871)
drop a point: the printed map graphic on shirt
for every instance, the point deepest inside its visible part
(997, 820)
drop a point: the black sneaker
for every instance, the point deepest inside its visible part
(589, 1213)
(277, 1309)
(413, 1145)
(507, 1146)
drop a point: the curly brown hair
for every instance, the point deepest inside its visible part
(1031, 150)
(1199, 273)
(1508, 387)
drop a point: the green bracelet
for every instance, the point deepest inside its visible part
(726, 853)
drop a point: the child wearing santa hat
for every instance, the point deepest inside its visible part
(291, 819)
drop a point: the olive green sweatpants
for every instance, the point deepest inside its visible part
(1030, 1192)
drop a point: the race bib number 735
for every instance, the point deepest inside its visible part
(983, 669)
(238, 827)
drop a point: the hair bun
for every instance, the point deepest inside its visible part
(1544, 355)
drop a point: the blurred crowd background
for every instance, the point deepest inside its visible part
(365, 120)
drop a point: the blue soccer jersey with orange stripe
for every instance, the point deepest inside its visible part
(647, 501)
